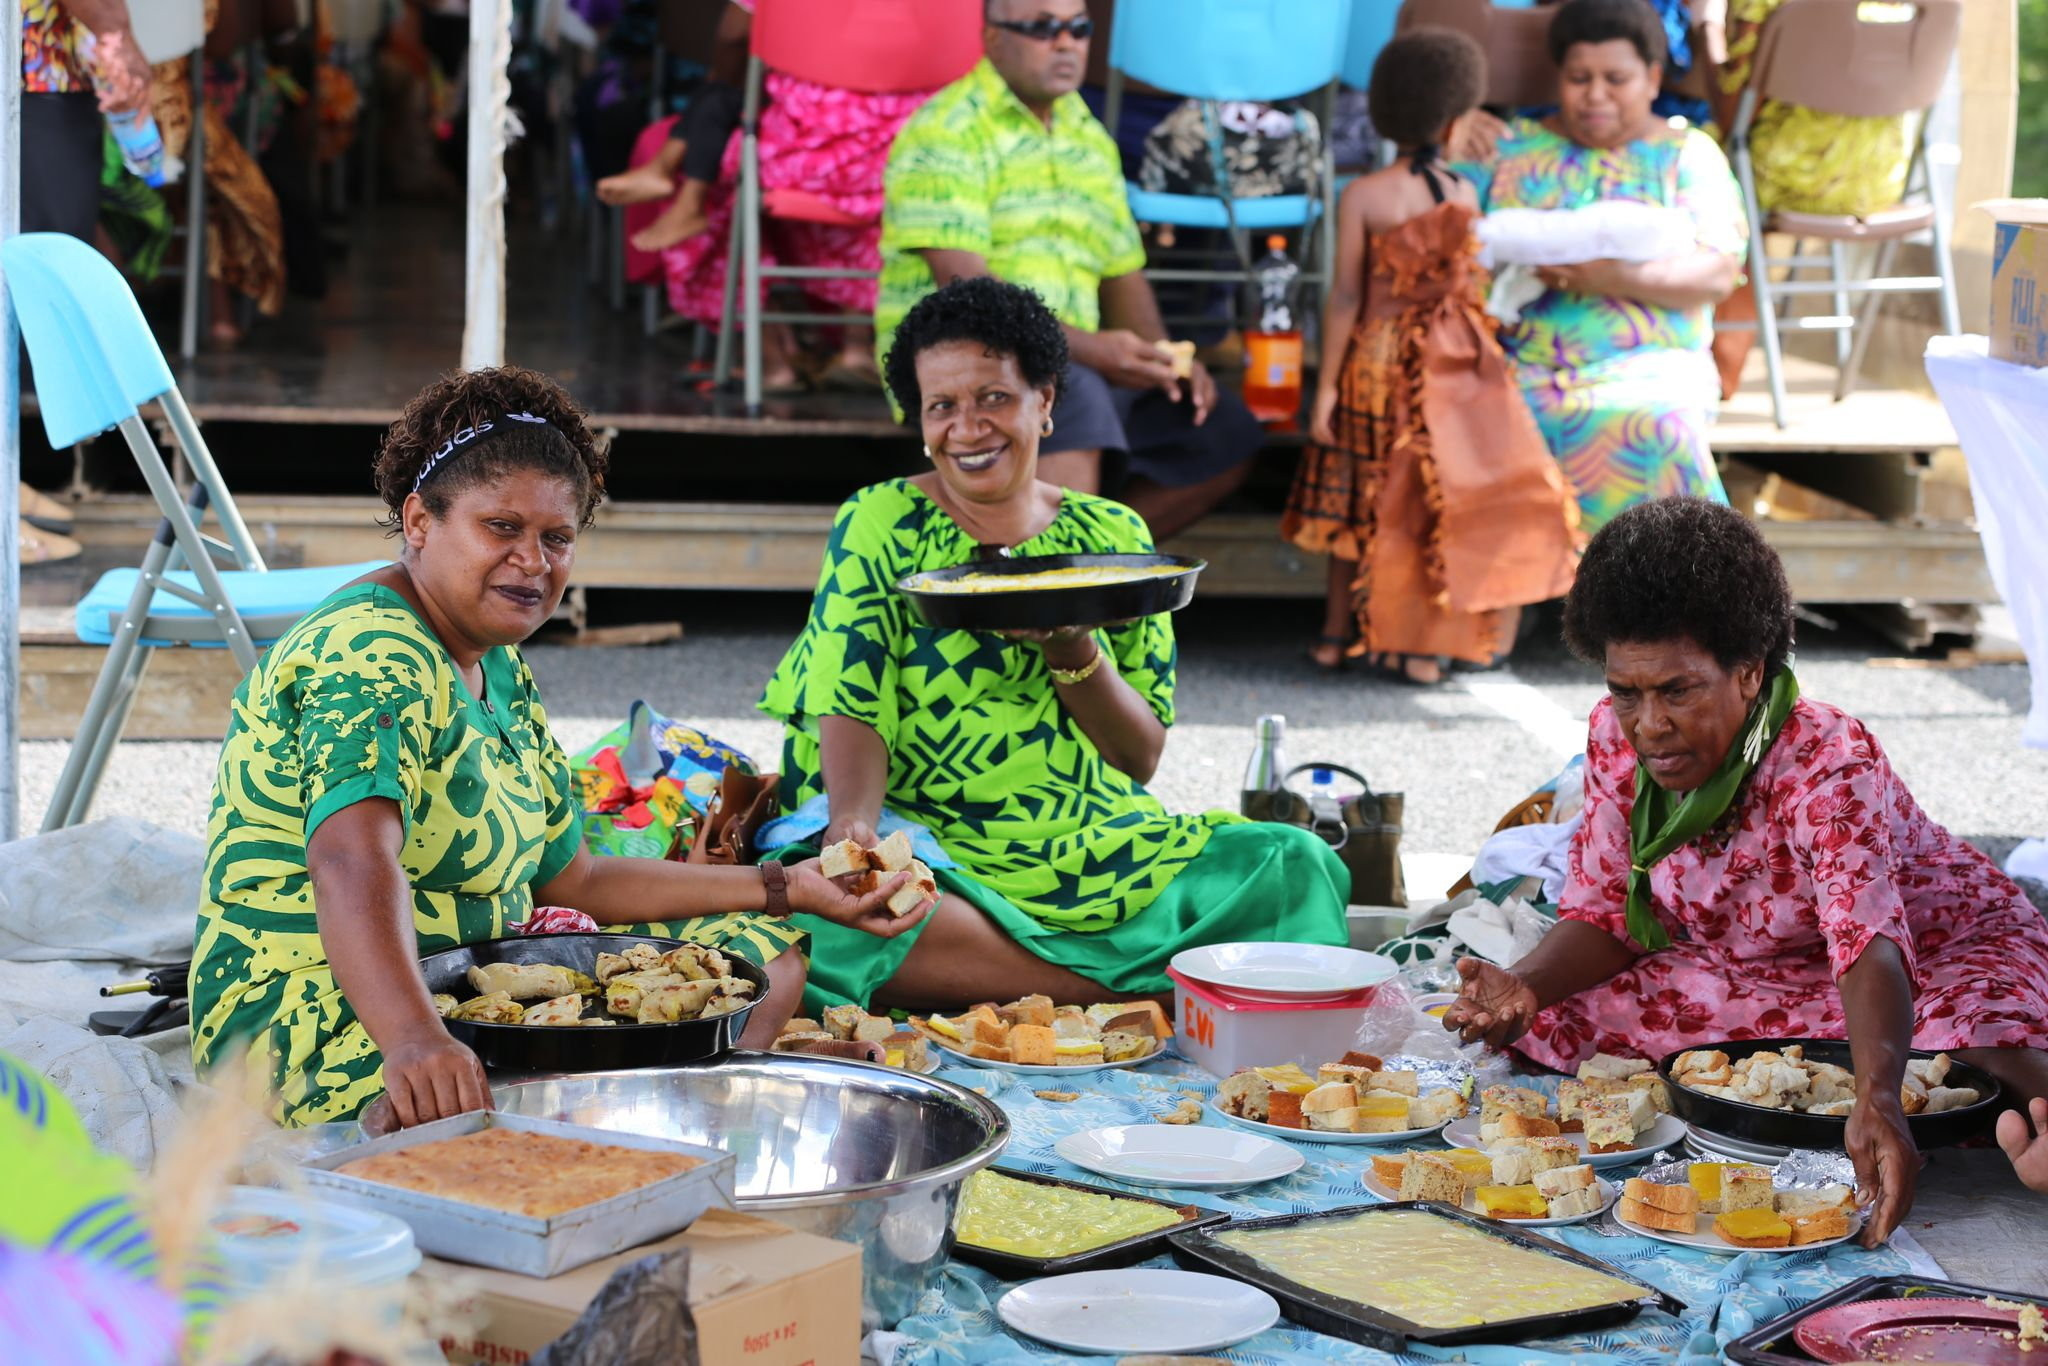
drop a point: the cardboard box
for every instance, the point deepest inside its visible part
(2019, 281)
(799, 1304)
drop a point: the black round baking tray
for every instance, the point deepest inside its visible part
(584, 1048)
(1043, 609)
(1792, 1129)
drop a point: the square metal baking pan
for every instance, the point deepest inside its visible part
(1357, 1322)
(1774, 1345)
(1013, 1266)
(532, 1246)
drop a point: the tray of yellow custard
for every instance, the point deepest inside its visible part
(1020, 1224)
(1003, 592)
(1415, 1272)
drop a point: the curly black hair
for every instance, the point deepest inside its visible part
(1682, 567)
(1603, 21)
(1008, 319)
(463, 398)
(1421, 81)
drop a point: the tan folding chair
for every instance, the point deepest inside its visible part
(1519, 72)
(1823, 55)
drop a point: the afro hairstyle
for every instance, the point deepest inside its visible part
(1421, 82)
(1004, 319)
(1603, 21)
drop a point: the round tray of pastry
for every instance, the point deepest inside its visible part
(1041, 592)
(528, 1003)
(1797, 1093)
(1728, 1207)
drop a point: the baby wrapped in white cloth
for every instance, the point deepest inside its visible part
(1513, 242)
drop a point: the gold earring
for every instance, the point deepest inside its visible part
(1046, 430)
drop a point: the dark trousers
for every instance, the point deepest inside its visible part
(61, 140)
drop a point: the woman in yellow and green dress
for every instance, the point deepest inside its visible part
(1023, 759)
(1806, 161)
(388, 786)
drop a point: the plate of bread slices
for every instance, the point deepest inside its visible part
(1798, 1093)
(903, 1048)
(1356, 1100)
(1616, 1111)
(1729, 1207)
(1032, 1035)
(1518, 1185)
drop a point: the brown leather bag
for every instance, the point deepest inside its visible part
(1365, 831)
(745, 802)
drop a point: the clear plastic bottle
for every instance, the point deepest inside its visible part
(135, 132)
(1272, 380)
(1326, 785)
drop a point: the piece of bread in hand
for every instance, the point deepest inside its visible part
(921, 888)
(893, 854)
(843, 858)
(1180, 355)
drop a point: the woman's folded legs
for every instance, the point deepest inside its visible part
(961, 957)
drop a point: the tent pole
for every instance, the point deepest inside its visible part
(483, 273)
(10, 437)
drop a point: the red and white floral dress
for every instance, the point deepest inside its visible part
(1823, 851)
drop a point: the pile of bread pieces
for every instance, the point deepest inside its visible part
(1033, 1032)
(870, 868)
(1785, 1079)
(1613, 1101)
(641, 985)
(1517, 1178)
(1356, 1095)
(902, 1047)
(1745, 1209)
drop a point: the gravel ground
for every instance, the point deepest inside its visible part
(1952, 732)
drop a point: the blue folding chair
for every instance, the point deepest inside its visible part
(1215, 50)
(96, 364)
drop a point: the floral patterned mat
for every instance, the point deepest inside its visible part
(1726, 1297)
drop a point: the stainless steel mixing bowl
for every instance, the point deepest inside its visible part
(846, 1150)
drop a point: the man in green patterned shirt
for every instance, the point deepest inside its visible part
(1006, 173)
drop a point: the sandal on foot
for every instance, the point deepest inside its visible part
(1394, 668)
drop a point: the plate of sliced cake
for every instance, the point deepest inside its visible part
(1729, 1207)
(1509, 1186)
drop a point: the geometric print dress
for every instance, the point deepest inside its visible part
(357, 701)
(1822, 852)
(1070, 855)
(1624, 391)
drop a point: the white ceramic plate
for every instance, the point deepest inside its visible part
(1183, 1155)
(1154, 1312)
(1319, 1135)
(1609, 1193)
(1708, 1241)
(1284, 973)
(954, 1056)
(1667, 1132)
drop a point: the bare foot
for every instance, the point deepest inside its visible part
(678, 223)
(641, 185)
(1328, 652)
(223, 333)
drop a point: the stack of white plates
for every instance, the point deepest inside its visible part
(1713, 1147)
(1284, 974)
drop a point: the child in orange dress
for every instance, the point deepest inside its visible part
(1427, 481)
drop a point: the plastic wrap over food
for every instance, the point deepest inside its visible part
(1395, 1026)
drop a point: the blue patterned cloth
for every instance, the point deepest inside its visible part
(1726, 1296)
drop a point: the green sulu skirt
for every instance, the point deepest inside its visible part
(1256, 881)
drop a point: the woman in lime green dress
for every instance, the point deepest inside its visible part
(389, 787)
(1025, 759)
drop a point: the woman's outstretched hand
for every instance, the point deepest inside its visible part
(1493, 1005)
(1887, 1163)
(813, 893)
(2027, 1143)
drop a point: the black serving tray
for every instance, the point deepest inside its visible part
(1044, 609)
(1774, 1345)
(1355, 1322)
(1791, 1129)
(570, 1048)
(1013, 1266)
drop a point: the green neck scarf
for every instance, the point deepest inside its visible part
(1663, 821)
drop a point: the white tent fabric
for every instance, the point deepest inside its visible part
(2000, 413)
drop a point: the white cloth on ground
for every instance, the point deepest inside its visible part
(1528, 851)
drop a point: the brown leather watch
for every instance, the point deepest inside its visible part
(775, 881)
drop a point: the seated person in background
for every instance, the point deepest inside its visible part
(1006, 173)
(1750, 866)
(389, 787)
(687, 165)
(1806, 161)
(1025, 759)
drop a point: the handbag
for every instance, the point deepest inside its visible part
(745, 802)
(1365, 831)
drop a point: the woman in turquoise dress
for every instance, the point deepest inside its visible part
(1024, 759)
(1613, 358)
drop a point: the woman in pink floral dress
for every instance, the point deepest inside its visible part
(1750, 866)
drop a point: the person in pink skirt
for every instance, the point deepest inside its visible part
(1751, 867)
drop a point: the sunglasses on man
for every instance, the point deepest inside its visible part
(1045, 30)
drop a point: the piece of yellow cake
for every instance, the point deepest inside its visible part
(1514, 1202)
(1381, 1114)
(1753, 1228)
(1705, 1178)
